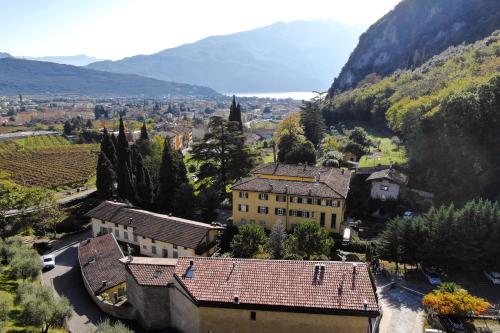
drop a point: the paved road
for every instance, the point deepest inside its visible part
(61, 201)
(67, 281)
(402, 312)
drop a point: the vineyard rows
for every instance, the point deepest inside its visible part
(51, 167)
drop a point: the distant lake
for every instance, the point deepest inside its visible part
(298, 95)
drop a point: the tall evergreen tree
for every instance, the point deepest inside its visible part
(184, 201)
(222, 155)
(172, 175)
(108, 147)
(123, 167)
(67, 128)
(144, 187)
(144, 132)
(311, 118)
(235, 113)
(105, 176)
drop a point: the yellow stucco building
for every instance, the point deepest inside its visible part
(154, 235)
(291, 194)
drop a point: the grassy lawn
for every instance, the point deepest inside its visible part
(15, 323)
(387, 154)
(267, 155)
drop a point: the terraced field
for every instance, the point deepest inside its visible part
(48, 162)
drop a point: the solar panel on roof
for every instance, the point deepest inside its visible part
(190, 272)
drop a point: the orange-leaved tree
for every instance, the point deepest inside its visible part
(454, 301)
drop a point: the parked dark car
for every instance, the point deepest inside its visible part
(42, 246)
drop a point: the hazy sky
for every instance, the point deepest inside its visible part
(113, 29)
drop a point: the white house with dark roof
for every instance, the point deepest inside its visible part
(386, 184)
(153, 234)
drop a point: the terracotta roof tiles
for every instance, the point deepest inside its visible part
(99, 261)
(279, 284)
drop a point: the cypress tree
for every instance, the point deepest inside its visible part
(235, 113)
(144, 143)
(123, 164)
(184, 201)
(144, 132)
(144, 186)
(232, 110)
(172, 175)
(108, 147)
(167, 180)
(105, 176)
(238, 116)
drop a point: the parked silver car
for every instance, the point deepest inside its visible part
(48, 261)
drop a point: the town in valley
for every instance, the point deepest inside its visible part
(325, 167)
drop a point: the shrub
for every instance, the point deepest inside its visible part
(116, 327)
(249, 241)
(456, 302)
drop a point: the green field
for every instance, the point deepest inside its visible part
(387, 154)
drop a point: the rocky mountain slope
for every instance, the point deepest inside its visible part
(413, 32)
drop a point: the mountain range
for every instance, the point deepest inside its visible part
(76, 60)
(413, 32)
(296, 56)
(19, 76)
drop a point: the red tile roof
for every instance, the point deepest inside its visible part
(151, 271)
(165, 228)
(99, 261)
(331, 182)
(285, 285)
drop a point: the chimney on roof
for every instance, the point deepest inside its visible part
(270, 187)
(236, 299)
(365, 305)
(129, 251)
(354, 266)
(130, 220)
(104, 283)
(322, 268)
(191, 263)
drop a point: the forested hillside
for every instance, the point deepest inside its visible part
(19, 76)
(448, 112)
(413, 32)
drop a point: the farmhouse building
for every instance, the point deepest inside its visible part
(199, 294)
(290, 194)
(154, 235)
(386, 184)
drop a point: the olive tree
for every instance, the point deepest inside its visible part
(41, 307)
